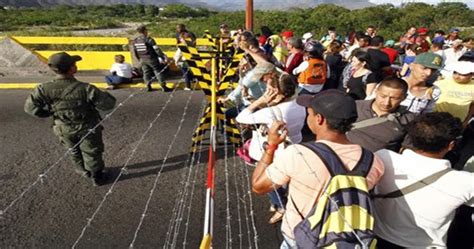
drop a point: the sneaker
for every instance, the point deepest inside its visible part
(250, 164)
(111, 87)
(187, 89)
(277, 217)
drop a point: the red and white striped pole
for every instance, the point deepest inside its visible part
(206, 242)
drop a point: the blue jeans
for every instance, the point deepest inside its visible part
(288, 243)
(278, 197)
(115, 80)
(187, 75)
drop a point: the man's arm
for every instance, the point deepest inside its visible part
(470, 115)
(36, 105)
(261, 184)
(102, 100)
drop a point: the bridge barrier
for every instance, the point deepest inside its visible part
(98, 60)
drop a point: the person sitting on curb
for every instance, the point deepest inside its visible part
(121, 73)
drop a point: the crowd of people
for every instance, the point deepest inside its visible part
(354, 139)
(326, 113)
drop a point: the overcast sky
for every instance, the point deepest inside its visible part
(398, 2)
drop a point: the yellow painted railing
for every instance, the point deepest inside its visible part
(98, 60)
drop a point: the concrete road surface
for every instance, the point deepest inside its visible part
(60, 209)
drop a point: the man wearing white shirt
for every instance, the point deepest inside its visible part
(416, 199)
(121, 73)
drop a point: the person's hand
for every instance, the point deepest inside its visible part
(222, 100)
(277, 132)
(269, 95)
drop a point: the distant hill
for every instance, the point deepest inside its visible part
(228, 5)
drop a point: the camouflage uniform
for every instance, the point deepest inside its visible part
(152, 59)
(74, 107)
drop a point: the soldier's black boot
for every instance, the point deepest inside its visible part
(98, 178)
(165, 88)
(148, 87)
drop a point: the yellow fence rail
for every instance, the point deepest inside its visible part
(97, 60)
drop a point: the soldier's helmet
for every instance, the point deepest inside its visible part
(314, 48)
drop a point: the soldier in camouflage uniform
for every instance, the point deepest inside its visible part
(153, 61)
(74, 107)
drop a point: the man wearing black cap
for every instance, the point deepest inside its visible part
(74, 107)
(153, 61)
(330, 115)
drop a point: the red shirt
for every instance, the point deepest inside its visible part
(293, 61)
(392, 54)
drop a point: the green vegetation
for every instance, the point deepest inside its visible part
(391, 21)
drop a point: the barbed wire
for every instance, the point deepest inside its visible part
(226, 173)
(186, 225)
(123, 170)
(323, 190)
(187, 195)
(237, 195)
(43, 175)
(155, 183)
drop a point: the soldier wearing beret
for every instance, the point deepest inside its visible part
(74, 107)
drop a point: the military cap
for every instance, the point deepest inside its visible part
(62, 60)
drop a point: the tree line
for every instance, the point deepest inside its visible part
(390, 20)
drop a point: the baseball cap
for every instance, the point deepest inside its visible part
(462, 67)
(429, 60)
(62, 60)
(332, 104)
(422, 31)
(261, 69)
(468, 56)
(454, 30)
(390, 43)
(287, 34)
(307, 36)
(457, 42)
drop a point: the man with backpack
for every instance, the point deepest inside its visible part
(328, 179)
(153, 61)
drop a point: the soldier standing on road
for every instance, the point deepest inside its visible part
(153, 61)
(74, 106)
